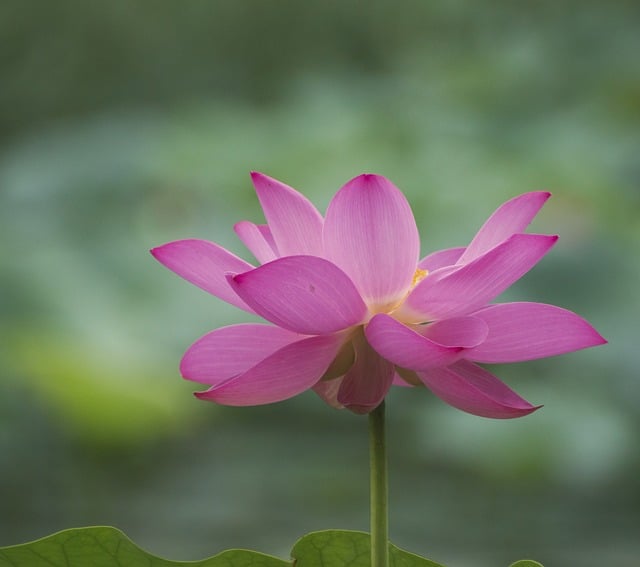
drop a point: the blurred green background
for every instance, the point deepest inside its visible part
(125, 124)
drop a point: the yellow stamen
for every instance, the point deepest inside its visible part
(418, 277)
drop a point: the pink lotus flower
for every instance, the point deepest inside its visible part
(353, 310)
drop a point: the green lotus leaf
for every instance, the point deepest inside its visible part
(109, 547)
(338, 548)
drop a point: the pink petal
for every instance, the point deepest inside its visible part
(295, 223)
(304, 294)
(398, 381)
(406, 378)
(342, 362)
(328, 390)
(510, 218)
(289, 371)
(204, 264)
(526, 331)
(371, 234)
(466, 332)
(473, 285)
(366, 384)
(229, 351)
(258, 239)
(405, 346)
(472, 389)
(440, 259)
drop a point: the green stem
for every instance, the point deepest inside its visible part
(378, 488)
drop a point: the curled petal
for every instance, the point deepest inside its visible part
(295, 223)
(406, 378)
(204, 264)
(304, 294)
(510, 218)
(406, 347)
(229, 351)
(474, 390)
(341, 363)
(367, 382)
(473, 285)
(328, 390)
(526, 331)
(289, 371)
(258, 239)
(371, 234)
(440, 259)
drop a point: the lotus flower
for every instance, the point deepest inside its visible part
(353, 310)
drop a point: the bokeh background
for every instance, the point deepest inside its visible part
(125, 124)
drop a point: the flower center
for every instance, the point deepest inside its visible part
(418, 276)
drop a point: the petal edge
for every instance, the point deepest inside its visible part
(508, 219)
(527, 331)
(286, 373)
(295, 223)
(474, 390)
(304, 294)
(204, 264)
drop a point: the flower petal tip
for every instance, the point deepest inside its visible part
(161, 252)
(206, 395)
(261, 180)
(156, 251)
(590, 336)
(543, 195)
(513, 412)
(510, 412)
(551, 238)
(523, 412)
(598, 340)
(368, 179)
(256, 175)
(210, 396)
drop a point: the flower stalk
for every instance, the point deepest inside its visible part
(378, 488)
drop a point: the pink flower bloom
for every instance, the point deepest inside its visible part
(354, 310)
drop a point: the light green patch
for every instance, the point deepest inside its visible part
(105, 396)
